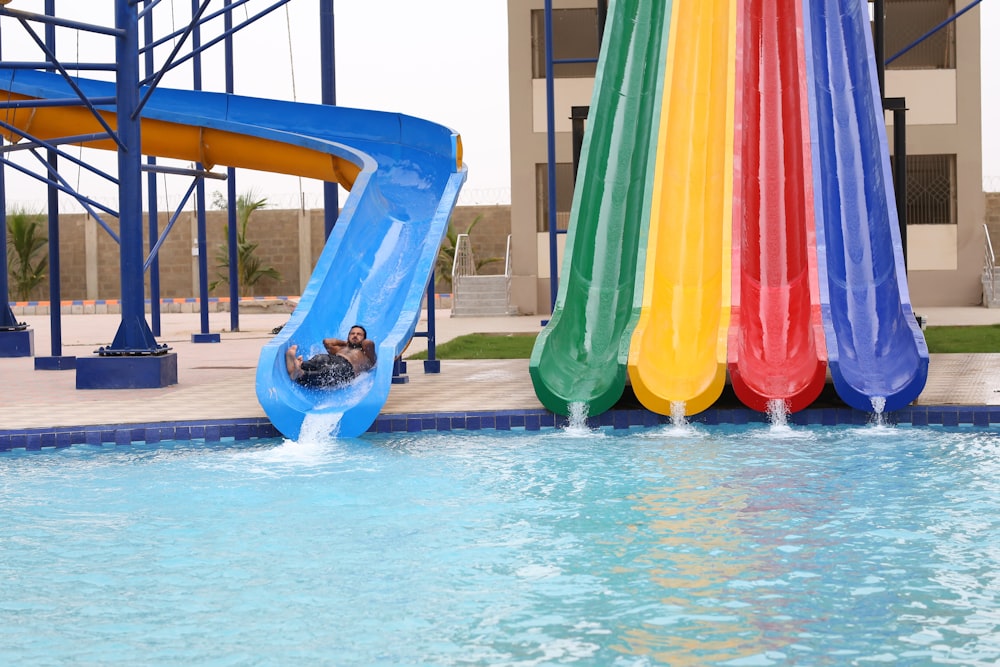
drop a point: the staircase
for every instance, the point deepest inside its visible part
(474, 295)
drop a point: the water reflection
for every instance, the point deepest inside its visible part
(718, 549)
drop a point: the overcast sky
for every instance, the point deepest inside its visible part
(443, 60)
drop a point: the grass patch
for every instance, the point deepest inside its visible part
(485, 346)
(940, 340)
(967, 339)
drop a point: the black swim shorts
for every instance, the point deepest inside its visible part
(326, 371)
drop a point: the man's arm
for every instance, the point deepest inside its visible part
(368, 347)
(334, 345)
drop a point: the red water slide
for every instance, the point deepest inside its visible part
(776, 346)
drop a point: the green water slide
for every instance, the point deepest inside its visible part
(581, 355)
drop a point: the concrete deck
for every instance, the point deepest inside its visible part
(216, 380)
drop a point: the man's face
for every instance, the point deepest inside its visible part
(356, 336)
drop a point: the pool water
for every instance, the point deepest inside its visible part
(684, 546)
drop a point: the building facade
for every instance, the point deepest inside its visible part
(939, 78)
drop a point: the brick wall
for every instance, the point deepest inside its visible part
(276, 232)
(993, 209)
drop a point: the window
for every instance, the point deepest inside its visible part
(564, 195)
(906, 21)
(574, 36)
(931, 190)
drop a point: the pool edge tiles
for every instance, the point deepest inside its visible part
(213, 430)
(243, 429)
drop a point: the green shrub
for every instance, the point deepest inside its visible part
(27, 253)
(248, 265)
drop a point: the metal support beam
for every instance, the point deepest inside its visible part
(134, 336)
(898, 107)
(232, 237)
(578, 116)
(328, 74)
(879, 38)
(55, 362)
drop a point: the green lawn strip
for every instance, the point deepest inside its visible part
(967, 339)
(484, 346)
(940, 340)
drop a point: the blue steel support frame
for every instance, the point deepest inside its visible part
(134, 337)
(198, 8)
(328, 91)
(16, 339)
(152, 208)
(7, 320)
(550, 133)
(231, 196)
(56, 361)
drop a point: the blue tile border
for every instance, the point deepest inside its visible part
(474, 420)
(126, 434)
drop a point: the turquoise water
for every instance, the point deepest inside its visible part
(707, 545)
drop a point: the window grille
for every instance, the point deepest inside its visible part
(931, 190)
(907, 21)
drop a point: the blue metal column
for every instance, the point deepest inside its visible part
(152, 210)
(550, 132)
(328, 73)
(57, 361)
(16, 339)
(134, 358)
(231, 196)
(205, 336)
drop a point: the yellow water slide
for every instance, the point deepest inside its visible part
(677, 353)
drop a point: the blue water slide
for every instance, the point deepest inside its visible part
(876, 348)
(404, 175)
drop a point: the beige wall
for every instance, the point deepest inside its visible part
(530, 292)
(90, 268)
(947, 263)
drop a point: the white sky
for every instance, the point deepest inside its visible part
(443, 60)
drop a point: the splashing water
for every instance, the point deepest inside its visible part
(878, 408)
(320, 427)
(677, 418)
(777, 414)
(577, 424)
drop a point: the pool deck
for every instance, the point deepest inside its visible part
(216, 383)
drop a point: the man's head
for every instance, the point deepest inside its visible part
(356, 336)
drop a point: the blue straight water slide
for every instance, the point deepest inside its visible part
(875, 347)
(404, 174)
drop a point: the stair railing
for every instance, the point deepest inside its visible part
(989, 272)
(462, 265)
(506, 272)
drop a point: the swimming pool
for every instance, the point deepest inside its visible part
(738, 545)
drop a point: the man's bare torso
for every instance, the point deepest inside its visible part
(360, 358)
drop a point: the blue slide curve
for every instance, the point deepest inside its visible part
(404, 174)
(875, 347)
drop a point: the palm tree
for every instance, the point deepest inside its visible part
(25, 271)
(248, 264)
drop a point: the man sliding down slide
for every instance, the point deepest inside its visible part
(344, 361)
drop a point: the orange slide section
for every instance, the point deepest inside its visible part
(187, 142)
